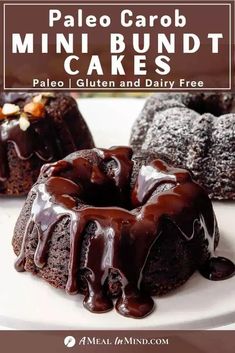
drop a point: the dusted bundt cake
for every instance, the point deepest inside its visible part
(111, 225)
(193, 131)
(35, 130)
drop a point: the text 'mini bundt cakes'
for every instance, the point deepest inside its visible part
(193, 131)
(113, 225)
(36, 129)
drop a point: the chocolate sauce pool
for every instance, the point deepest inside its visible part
(124, 234)
(218, 268)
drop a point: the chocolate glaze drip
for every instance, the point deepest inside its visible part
(123, 235)
(50, 137)
(37, 139)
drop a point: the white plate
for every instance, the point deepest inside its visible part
(27, 302)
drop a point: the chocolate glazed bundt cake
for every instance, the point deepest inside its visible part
(110, 224)
(35, 130)
(193, 131)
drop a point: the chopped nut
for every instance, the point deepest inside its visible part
(24, 122)
(42, 97)
(37, 99)
(2, 116)
(48, 94)
(10, 109)
(36, 110)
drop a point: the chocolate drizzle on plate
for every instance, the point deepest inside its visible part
(218, 268)
(126, 220)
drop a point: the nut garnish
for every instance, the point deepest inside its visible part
(42, 97)
(48, 94)
(2, 116)
(10, 109)
(24, 122)
(37, 99)
(36, 110)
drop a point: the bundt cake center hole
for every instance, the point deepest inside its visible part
(105, 196)
(94, 184)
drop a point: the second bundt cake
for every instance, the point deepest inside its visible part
(110, 224)
(193, 131)
(36, 129)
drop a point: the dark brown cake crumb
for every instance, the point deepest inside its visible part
(192, 131)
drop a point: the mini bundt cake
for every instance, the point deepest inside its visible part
(193, 131)
(110, 224)
(35, 130)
